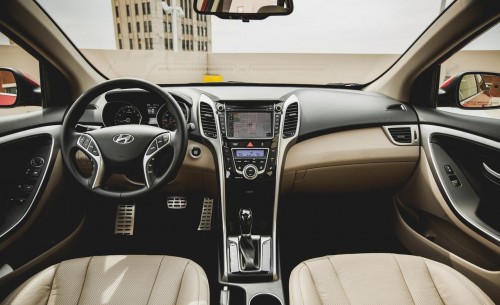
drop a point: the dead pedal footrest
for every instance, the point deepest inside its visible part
(206, 215)
(125, 217)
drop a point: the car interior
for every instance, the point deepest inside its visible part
(124, 190)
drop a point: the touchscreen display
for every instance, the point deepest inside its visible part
(248, 125)
(250, 153)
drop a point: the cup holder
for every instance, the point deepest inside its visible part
(265, 299)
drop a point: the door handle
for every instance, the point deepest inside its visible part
(490, 171)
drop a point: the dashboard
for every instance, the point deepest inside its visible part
(341, 132)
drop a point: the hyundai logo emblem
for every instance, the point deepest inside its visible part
(123, 138)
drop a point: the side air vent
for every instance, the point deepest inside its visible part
(291, 120)
(208, 120)
(400, 134)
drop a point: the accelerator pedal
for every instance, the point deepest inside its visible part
(206, 215)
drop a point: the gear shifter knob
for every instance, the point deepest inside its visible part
(246, 221)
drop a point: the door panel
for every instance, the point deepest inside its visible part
(27, 160)
(449, 209)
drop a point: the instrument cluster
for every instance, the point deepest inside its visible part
(130, 112)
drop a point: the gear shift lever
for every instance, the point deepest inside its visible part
(246, 221)
(247, 248)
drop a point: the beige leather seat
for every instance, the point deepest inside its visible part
(380, 279)
(123, 280)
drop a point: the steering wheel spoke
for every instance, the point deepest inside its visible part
(89, 146)
(161, 142)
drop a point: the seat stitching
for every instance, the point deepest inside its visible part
(461, 277)
(433, 282)
(154, 282)
(300, 288)
(84, 280)
(314, 282)
(180, 286)
(404, 279)
(340, 281)
(199, 281)
(52, 284)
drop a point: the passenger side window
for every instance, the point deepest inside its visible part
(470, 79)
(20, 90)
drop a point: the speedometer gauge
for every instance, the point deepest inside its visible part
(127, 115)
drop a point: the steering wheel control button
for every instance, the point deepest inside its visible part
(195, 152)
(153, 147)
(160, 142)
(86, 142)
(37, 162)
(250, 172)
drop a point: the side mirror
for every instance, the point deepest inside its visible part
(471, 90)
(243, 9)
(18, 89)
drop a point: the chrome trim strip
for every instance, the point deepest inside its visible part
(217, 146)
(492, 172)
(283, 145)
(430, 130)
(53, 131)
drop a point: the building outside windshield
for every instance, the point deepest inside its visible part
(167, 42)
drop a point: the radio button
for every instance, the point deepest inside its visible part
(250, 172)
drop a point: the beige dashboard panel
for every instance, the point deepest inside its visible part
(355, 177)
(354, 160)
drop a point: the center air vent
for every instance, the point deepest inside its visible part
(208, 120)
(401, 134)
(291, 120)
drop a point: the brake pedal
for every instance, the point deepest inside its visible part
(206, 215)
(177, 202)
(125, 218)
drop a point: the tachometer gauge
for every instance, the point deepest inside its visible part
(166, 119)
(128, 115)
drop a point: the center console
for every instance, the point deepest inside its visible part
(250, 140)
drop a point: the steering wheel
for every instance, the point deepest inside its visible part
(116, 149)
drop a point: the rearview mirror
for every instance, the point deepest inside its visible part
(243, 9)
(18, 89)
(472, 90)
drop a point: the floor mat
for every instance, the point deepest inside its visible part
(326, 225)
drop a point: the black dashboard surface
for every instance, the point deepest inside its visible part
(322, 110)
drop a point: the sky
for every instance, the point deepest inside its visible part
(315, 26)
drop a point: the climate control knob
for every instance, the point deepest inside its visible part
(250, 172)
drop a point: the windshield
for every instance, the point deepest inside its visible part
(321, 42)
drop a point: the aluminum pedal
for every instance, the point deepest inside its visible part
(125, 218)
(206, 215)
(177, 202)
